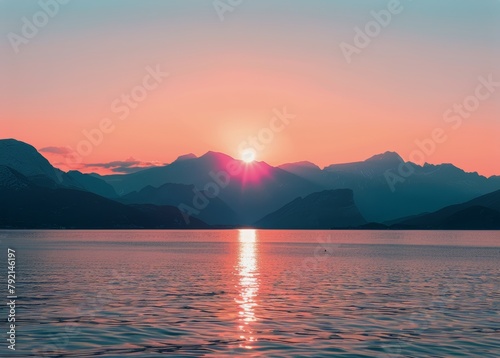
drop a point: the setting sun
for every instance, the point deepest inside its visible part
(248, 155)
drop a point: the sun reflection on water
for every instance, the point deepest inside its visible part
(248, 285)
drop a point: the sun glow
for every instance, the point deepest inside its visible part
(248, 155)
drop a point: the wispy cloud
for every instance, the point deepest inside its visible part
(129, 165)
(56, 150)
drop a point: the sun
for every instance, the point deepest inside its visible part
(248, 155)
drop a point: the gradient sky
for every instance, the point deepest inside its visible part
(227, 77)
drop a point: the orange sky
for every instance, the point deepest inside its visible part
(227, 79)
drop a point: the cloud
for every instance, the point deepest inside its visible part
(129, 165)
(56, 150)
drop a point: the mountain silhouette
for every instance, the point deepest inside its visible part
(93, 184)
(26, 160)
(220, 190)
(427, 188)
(479, 213)
(11, 179)
(185, 157)
(216, 213)
(249, 190)
(26, 205)
(324, 210)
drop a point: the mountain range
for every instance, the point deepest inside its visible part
(216, 190)
(322, 210)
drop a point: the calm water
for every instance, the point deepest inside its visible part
(254, 293)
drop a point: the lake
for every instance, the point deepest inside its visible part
(254, 293)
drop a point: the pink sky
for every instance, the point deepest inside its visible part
(227, 79)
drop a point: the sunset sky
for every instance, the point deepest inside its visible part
(229, 76)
